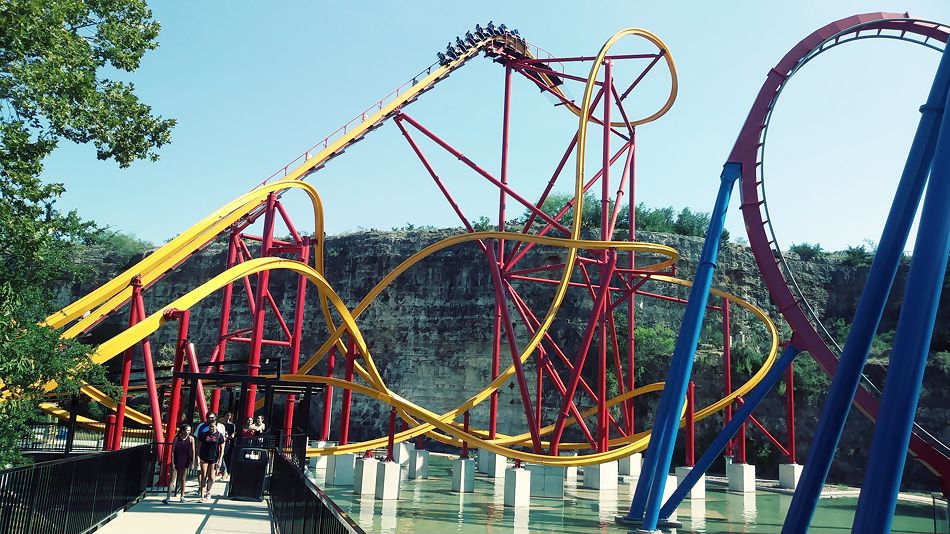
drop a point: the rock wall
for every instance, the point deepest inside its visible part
(431, 332)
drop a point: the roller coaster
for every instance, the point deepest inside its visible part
(604, 268)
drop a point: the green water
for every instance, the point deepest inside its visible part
(429, 506)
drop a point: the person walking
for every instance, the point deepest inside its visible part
(211, 420)
(229, 428)
(183, 458)
(210, 453)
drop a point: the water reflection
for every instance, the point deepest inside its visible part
(520, 521)
(697, 514)
(388, 519)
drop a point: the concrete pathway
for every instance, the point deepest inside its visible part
(218, 515)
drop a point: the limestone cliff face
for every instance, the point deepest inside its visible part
(430, 332)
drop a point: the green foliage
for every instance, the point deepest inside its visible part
(30, 356)
(52, 57)
(806, 251)
(125, 247)
(857, 256)
(664, 220)
(483, 224)
(942, 361)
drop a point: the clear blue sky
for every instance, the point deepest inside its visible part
(253, 86)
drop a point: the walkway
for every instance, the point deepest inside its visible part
(220, 515)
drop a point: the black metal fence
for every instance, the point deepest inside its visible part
(300, 507)
(72, 495)
(941, 511)
(53, 437)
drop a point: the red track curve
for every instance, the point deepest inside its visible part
(748, 151)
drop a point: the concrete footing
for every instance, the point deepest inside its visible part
(699, 489)
(463, 475)
(340, 469)
(547, 481)
(788, 475)
(630, 465)
(418, 463)
(601, 476)
(319, 462)
(387, 481)
(492, 464)
(741, 477)
(364, 476)
(402, 452)
(517, 487)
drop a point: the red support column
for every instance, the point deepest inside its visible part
(220, 351)
(581, 358)
(108, 437)
(174, 408)
(263, 277)
(790, 411)
(739, 457)
(690, 434)
(727, 370)
(193, 364)
(603, 429)
(392, 435)
(154, 398)
(347, 395)
(297, 333)
(328, 397)
(465, 426)
(126, 373)
(631, 300)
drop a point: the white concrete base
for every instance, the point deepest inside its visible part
(340, 469)
(418, 464)
(699, 489)
(741, 477)
(788, 475)
(364, 476)
(547, 481)
(463, 475)
(482, 458)
(387, 481)
(402, 452)
(601, 476)
(630, 465)
(668, 490)
(517, 487)
(319, 462)
(570, 472)
(492, 464)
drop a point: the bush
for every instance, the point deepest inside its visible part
(857, 256)
(806, 251)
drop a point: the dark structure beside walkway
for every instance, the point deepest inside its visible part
(299, 506)
(74, 494)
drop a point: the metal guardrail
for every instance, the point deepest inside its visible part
(54, 436)
(941, 512)
(299, 506)
(72, 495)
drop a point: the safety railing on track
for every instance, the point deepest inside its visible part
(74, 494)
(299, 506)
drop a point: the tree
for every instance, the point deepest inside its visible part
(52, 87)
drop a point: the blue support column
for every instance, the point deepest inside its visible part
(870, 308)
(882, 475)
(660, 451)
(738, 419)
